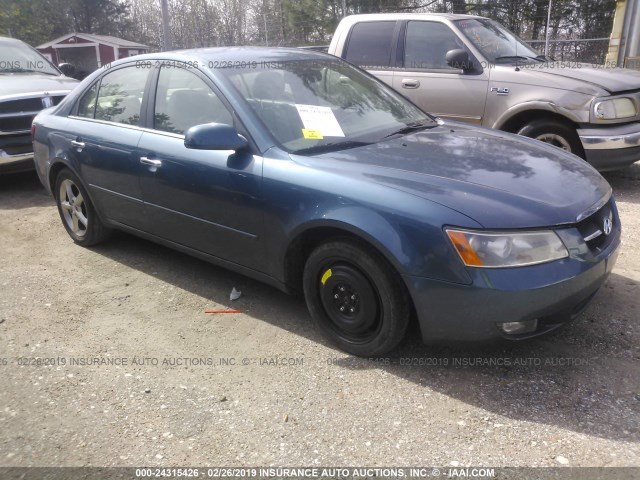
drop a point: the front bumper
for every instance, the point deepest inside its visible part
(16, 163)
(611, 147)
(553, 293)
(16, 151)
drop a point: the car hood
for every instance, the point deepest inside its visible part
(499, 180)
(612, 80)
(12, 84)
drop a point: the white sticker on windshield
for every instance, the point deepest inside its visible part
(321, 119)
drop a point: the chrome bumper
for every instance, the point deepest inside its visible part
(6, 159)
(610, 138)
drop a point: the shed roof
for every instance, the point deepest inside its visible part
(104, 39)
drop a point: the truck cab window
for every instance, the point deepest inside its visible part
(370, 45)
(427, 44)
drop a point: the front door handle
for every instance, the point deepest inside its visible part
(410, 83)
(151, 162)
(78, 145)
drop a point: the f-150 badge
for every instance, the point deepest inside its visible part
(500, 91)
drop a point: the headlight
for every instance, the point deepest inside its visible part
(615, 109)
(502, 249)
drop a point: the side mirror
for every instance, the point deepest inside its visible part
(459, 59)
(67, 69)
(214, 136)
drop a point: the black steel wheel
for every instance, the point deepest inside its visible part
(356, 298)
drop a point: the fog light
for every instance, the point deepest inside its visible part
(516, 328)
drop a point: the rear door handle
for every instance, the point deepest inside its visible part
(151, 162)
(78, 145)
(410, 83)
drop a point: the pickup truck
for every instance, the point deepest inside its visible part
(472, 69)
(28, 84)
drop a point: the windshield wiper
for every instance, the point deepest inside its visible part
(331, 147)
(412, 127)
(24, 70)
(515, 57)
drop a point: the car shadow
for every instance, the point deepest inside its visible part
(22, 190)
(583, 378)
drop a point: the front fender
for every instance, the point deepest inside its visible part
(413, 246)
(550, 107)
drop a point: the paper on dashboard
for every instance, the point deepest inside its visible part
(320, 119)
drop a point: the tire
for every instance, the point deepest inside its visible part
(555, 133)
(375, 304)
(76, 211)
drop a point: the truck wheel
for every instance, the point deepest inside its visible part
(77, 212)
(356, 298)
(554, 133)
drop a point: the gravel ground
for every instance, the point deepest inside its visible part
(572, 398)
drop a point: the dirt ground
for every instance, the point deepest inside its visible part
(173, 386)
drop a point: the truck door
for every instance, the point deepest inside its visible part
(425, 78)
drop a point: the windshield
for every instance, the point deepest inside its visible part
(317, 105)
(496, 43)
(20, 58)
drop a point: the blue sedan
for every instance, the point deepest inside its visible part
(300, 170)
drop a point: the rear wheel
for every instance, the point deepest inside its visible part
(554, 133)
(356, 298)
(77, 212)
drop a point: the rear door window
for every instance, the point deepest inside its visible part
(370, 45)
(120, 95)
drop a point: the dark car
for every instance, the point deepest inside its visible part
(298, 169)
(28, 83)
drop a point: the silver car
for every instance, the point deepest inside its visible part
(28, 84)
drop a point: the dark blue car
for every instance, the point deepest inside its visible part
(300, 170)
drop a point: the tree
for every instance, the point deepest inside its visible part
(34, 21)
(37, 21)
(458, 6)
(202, 23)
(107, 17)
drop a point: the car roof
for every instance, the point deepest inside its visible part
(230, 55)
(406, 16)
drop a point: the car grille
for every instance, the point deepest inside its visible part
(15, 122)
(22, 105)
(27, 105)
(592, 228)
(16, 144)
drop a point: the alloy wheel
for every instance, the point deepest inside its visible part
(74, 208)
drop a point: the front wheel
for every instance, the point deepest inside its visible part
(356, 298)
(554, 133)
(77, 212)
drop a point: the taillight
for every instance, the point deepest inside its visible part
(33, 131)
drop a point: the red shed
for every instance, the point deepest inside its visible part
(87, 51)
